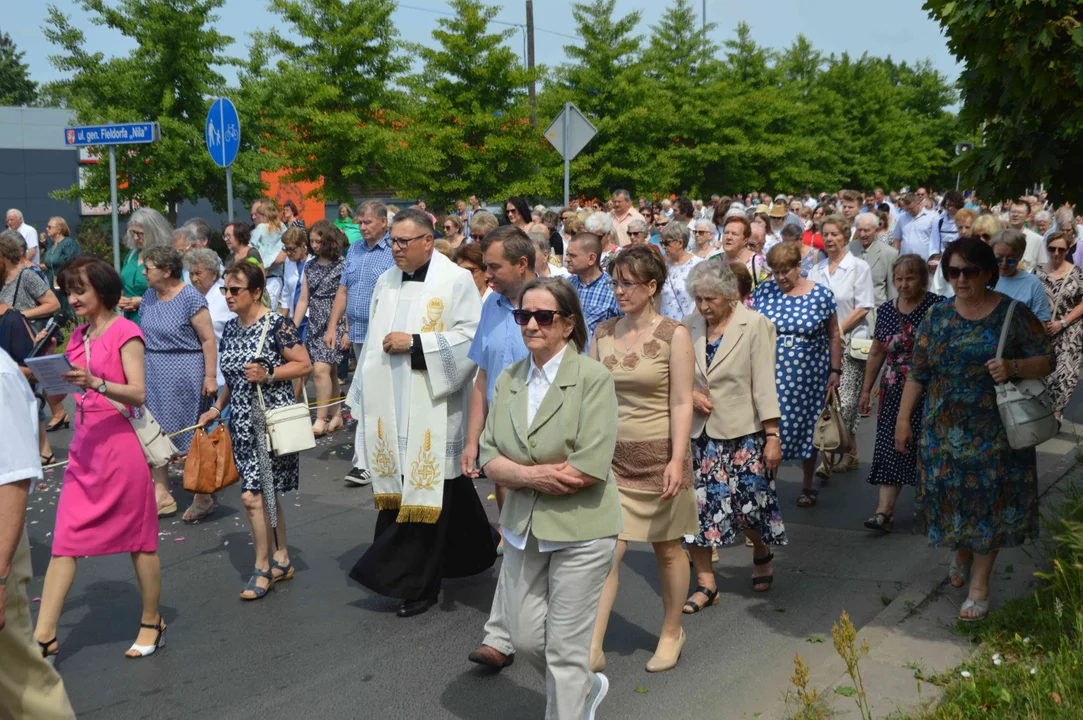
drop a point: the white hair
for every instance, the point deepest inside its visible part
(704, 223)
(637, 224)
(871, 217)
(1043, 215)
(599, 223)
(667, 203)
(205, 259)
(16, 213)
(156, 229)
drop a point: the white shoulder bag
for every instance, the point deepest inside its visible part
(1024, 404)
(289, 428)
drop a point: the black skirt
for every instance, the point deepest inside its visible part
(408, 560)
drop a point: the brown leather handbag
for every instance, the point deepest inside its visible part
(831, 436)
(210, 466)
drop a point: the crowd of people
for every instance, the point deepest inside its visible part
(622, 372)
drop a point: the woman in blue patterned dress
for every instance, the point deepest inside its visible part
(975, 493)
(893, 343)
(808, 356)
(263, 474)
(181, 361)
(318, 289)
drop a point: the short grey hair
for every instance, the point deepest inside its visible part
(637, 224)
(1043, 215)
(16, 213)
(705, 223)
(203, 259)
(200, 228)
(867, 217)
(540, 238)
(166, 258)
(12, 246)
(185, 235)
(156, 229)
(712, 276)
(623, 194)
(1014, 239)
(675, 231)
(375, 208)
(599, 223)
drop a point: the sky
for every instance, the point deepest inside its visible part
(896, 28)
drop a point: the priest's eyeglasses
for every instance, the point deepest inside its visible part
(405, 242)
(544, 318)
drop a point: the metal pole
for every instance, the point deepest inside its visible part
(530, 62)
(958, 177)
(567, 160)
(229, 192)
(113, 204)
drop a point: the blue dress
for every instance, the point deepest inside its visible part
(174, 360)
(802, 360)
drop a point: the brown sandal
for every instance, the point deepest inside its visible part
(807, 497)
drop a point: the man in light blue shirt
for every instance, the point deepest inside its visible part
(498, 342)
(1008, 246)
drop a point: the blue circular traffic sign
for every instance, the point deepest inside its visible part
(223, 132)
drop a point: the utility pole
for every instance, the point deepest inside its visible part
(530, 62)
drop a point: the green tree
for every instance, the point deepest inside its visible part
(473, 104)
(337, 113)
(169, 78)
(16, 87)
(1020, 90)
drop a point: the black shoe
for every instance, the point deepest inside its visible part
(409, 608)
(359, 477)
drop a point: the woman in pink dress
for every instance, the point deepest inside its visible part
(107, 503)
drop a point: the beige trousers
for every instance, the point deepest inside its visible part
(551, 603)
(29, 687)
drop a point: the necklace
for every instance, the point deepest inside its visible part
(90, 332)
(629, 345)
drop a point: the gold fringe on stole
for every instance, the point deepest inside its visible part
(387, 501)
(418, 514)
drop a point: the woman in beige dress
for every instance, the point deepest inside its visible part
(653, 367)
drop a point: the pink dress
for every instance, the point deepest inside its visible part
(107, 501)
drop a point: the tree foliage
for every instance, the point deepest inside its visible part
(169, 78)
(16, 87)
(1021, 85)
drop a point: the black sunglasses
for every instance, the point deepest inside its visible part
(970, 272)
(232, 290)
(544, 318)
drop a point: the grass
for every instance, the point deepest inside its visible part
(1029, 665)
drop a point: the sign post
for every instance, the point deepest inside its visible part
(223, 142)
(569, 133)
(111, 136)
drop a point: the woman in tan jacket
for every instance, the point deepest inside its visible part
(735, 439)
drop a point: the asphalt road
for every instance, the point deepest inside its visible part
(321, 646)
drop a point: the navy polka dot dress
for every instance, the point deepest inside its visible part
(802, 360)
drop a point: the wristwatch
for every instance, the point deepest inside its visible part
(774, 434)
(101, 387)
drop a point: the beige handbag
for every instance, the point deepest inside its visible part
(289, 428)
(831, 436)
(860, 348)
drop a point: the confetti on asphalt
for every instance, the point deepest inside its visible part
(491, 497)
(37, 600)
(178, 539)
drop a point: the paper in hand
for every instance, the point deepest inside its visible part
(48, 371)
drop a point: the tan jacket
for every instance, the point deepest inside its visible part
(576, 422)
(741, 378)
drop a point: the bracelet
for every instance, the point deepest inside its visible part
(774, 434)
(215, 408)
(836, 370)
(1015, 368)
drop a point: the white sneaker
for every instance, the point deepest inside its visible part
(359, 477)
(598, 692)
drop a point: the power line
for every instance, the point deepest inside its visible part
(521, 26)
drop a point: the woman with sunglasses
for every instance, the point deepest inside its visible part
(650, 357)
(1015, 282)
(985, 227)
(975, 493)
(453, 231)
(518, 213)
(676, 302)
(704, 235)
(1063, 283)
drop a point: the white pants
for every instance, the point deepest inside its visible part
(551, 601)
(274, 292)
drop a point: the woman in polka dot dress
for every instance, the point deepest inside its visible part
(807, 357)
(897, 322)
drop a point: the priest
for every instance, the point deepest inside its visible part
(411, 395)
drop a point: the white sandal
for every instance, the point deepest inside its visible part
(980, 608)
(959, 571)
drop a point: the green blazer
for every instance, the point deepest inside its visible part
(576, 422)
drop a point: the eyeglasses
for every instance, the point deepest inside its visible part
(970, 272)
(1057, 250)
(511, 210)
(233, 290)
(148, 266)
(136, 233)
(544, 318)
(1009, 261)
(637, 233)
(477, 236)
(405, 242)
(986, 237)
(450, 228)
(622, 284)
(678, 241)
(702, 232)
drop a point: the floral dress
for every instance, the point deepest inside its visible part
(240, 346)
(895, 331)
(733, 490)
(802, 360)
(974, 491)
(1064, 294)
(323, 282)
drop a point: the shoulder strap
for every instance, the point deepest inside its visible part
(1004, 328)
(18, 282)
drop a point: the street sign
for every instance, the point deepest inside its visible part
(223, 132)
(125, 134)
(578, 129)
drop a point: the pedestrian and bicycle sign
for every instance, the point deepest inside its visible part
(122, 134)
(223, 132)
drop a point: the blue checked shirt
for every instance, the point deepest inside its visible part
(498, 341)
(597, 300)
(364, 266)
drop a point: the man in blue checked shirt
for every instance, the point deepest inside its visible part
(498, 342)
(365, 263)
(590, 282)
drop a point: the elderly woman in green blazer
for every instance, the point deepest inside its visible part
(549, 439)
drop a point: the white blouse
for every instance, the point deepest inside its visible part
(852, 285)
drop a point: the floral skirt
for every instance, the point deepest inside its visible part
(733, 492)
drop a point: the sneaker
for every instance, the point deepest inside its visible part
(359, 477)
(597, 693)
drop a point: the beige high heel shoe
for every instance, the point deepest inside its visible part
(658, 663)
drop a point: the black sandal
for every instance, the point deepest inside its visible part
(47, 459)
(763, 583)
(884, 522)
(49, 657)
(257, 591)
(712, 599)
(807, 497)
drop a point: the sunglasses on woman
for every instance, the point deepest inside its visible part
(232, 290)
(544, 318)
(970, 272)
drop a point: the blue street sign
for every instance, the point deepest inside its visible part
(223, 132)
(125, 134)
